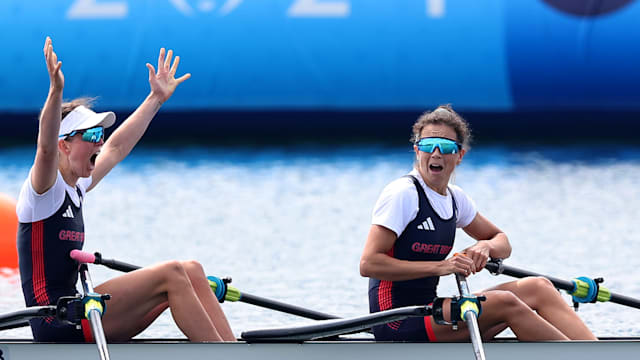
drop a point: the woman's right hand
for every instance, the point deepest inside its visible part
(164, 82)
(53, 66)
(460, 264)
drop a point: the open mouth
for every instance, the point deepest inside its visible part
(93, 158)
(436, 168)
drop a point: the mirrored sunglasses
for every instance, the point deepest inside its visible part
(93, 135)
(446, 146)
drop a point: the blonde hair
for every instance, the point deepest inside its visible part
(69, 106)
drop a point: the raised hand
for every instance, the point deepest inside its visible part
(53, 66)
(163, 83)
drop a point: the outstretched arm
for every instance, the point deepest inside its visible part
(121, 142)
(45, 166)
(492, 242)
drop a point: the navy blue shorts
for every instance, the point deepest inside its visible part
(414, 329)
(49, 329)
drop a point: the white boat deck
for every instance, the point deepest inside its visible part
(624, 348)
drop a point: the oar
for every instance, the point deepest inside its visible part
(469, 311)
(330, 328)
(94, 307)
(582, 289)
(21, 318)
(221, 288)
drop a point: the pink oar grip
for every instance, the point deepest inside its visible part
(82, 257)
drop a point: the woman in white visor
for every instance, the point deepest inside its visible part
(71, 158)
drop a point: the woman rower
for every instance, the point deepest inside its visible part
(71, 159)
(412, 232)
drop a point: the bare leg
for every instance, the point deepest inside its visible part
(138, 298)
(493, 331)
(153, 314)
(540, 295)
(208, 299)
(502, 308)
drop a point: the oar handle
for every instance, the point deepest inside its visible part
(84, 257)
(115, 264)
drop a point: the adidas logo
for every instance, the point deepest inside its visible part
(68, 213)
(427, 225)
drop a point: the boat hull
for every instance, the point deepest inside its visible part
(321, 350)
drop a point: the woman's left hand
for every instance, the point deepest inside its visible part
(479, 253)
(163, 83)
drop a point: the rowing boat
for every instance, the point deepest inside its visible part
(619, 348)
(327, 338)
(293, 343)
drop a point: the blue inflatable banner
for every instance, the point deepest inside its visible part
(491, 55)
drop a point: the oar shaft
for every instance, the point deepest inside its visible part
(324, 329)
(21, 318)
(500, 268)
(286, 308)
(96, 329)
(472, 325)
(497, 267)
(95, 318)
(625, 300)
(244, 297)
(471, 319)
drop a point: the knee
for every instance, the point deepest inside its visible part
(545, 284)
(506, 303)
(193, 268)
(538, 290)
(503, 298)
(537, 284)
(173, 271)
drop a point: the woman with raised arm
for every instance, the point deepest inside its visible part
(71, 159)
(412, 233)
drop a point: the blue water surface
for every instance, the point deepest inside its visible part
(289, 223)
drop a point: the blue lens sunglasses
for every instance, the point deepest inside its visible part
(93, 135)
(446, 146)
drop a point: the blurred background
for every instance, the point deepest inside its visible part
(334, 68)
(265, 165)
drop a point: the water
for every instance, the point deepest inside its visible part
(290, 223)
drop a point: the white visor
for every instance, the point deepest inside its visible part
(82, 118)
